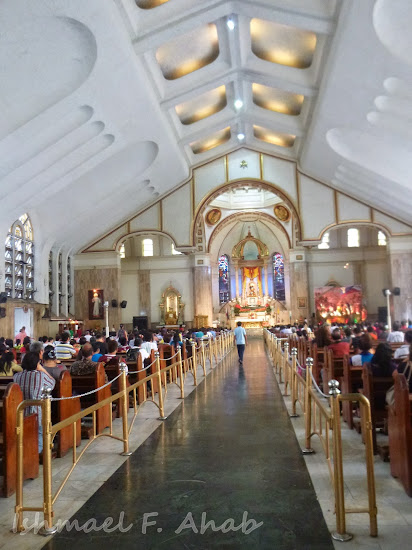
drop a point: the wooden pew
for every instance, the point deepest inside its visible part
(375, 388)
(64, 409)
(333, 368)
(12, 395)
(85, 383)
(166, 351)
(400, 433)
(351, 382)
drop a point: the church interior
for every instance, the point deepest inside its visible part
(199, 164)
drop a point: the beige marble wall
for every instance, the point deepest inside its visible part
(299, 289)
(108, 279)
(144, 293)
(401, 268)
(202, 288)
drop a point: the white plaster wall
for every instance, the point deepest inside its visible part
(349, 209)
(253, 164)
(129, 291)
(147, 220)
(317, 207)
(177, 215)
(282, 173)
(208, 177)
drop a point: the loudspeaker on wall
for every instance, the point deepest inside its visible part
(396, 291)
(123, 304)
(114, 303)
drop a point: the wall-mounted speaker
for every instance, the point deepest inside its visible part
(123, 304)
(3, 297)
(396, 291)
(2, 312)
(114, 303)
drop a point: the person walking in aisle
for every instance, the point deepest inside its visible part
(241, 339)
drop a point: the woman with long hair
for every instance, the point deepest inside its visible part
(8, 365)
(382, 363)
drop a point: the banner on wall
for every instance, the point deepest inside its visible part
(339, 304)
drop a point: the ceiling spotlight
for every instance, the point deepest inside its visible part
(238, 104)
(241, 136)
(230, 24)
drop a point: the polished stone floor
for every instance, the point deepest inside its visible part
(229, 451)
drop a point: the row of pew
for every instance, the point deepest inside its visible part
(68, 385)
(394, 420)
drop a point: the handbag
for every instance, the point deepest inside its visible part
(390, 394)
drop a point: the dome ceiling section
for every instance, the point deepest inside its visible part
(232, 73)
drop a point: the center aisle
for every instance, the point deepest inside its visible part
(229, 452)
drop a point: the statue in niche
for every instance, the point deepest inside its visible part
(171, 307)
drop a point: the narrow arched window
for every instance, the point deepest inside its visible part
(353, 237)
(51, 280)
(60, 279)
(381, 239)
(325, 241)
(174, 251)
(278, 277)
(19, 260)
(147, 247)
(69, 284)
(122, 251)
(224, 279)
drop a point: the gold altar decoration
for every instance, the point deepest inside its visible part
(282, 213)
(238, 249)
(213, 216)
(171, 307)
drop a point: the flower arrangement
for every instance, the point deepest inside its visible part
(268, 309)
(237, 309)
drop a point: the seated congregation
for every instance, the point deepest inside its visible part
(72, 366)
(371, 360)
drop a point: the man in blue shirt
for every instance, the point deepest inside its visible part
(241, 339)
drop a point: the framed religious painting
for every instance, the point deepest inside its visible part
(96, 301)
(302, 303)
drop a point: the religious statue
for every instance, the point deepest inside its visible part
(171, 307)
(96, 305)
(96, 301)
(252, 290)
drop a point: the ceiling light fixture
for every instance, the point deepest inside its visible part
(240, 136)
(238, 104)
(230, 24)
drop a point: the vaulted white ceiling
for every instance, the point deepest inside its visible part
(104, 106)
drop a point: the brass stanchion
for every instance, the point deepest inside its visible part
(125, 408)
(48, 528)
(179, 366)
(159, 378)
(366, 411)
(340, 533)
(286, 366)
(19, 479)
(293, 383)
(202, 347)
(211, 353)
(194, 363)
(308, 408)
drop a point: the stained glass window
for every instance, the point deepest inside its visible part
(60, 280)
(278, 277)
(224, 279)
(69, 284)
(19, 260)
(51, 280)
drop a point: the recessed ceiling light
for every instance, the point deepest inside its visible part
(230, 24)
(238, 104)
(241, 136)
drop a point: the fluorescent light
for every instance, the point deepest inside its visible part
(238, 104)
(230, 24)
(241, 136)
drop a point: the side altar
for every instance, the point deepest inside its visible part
(171, 308)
